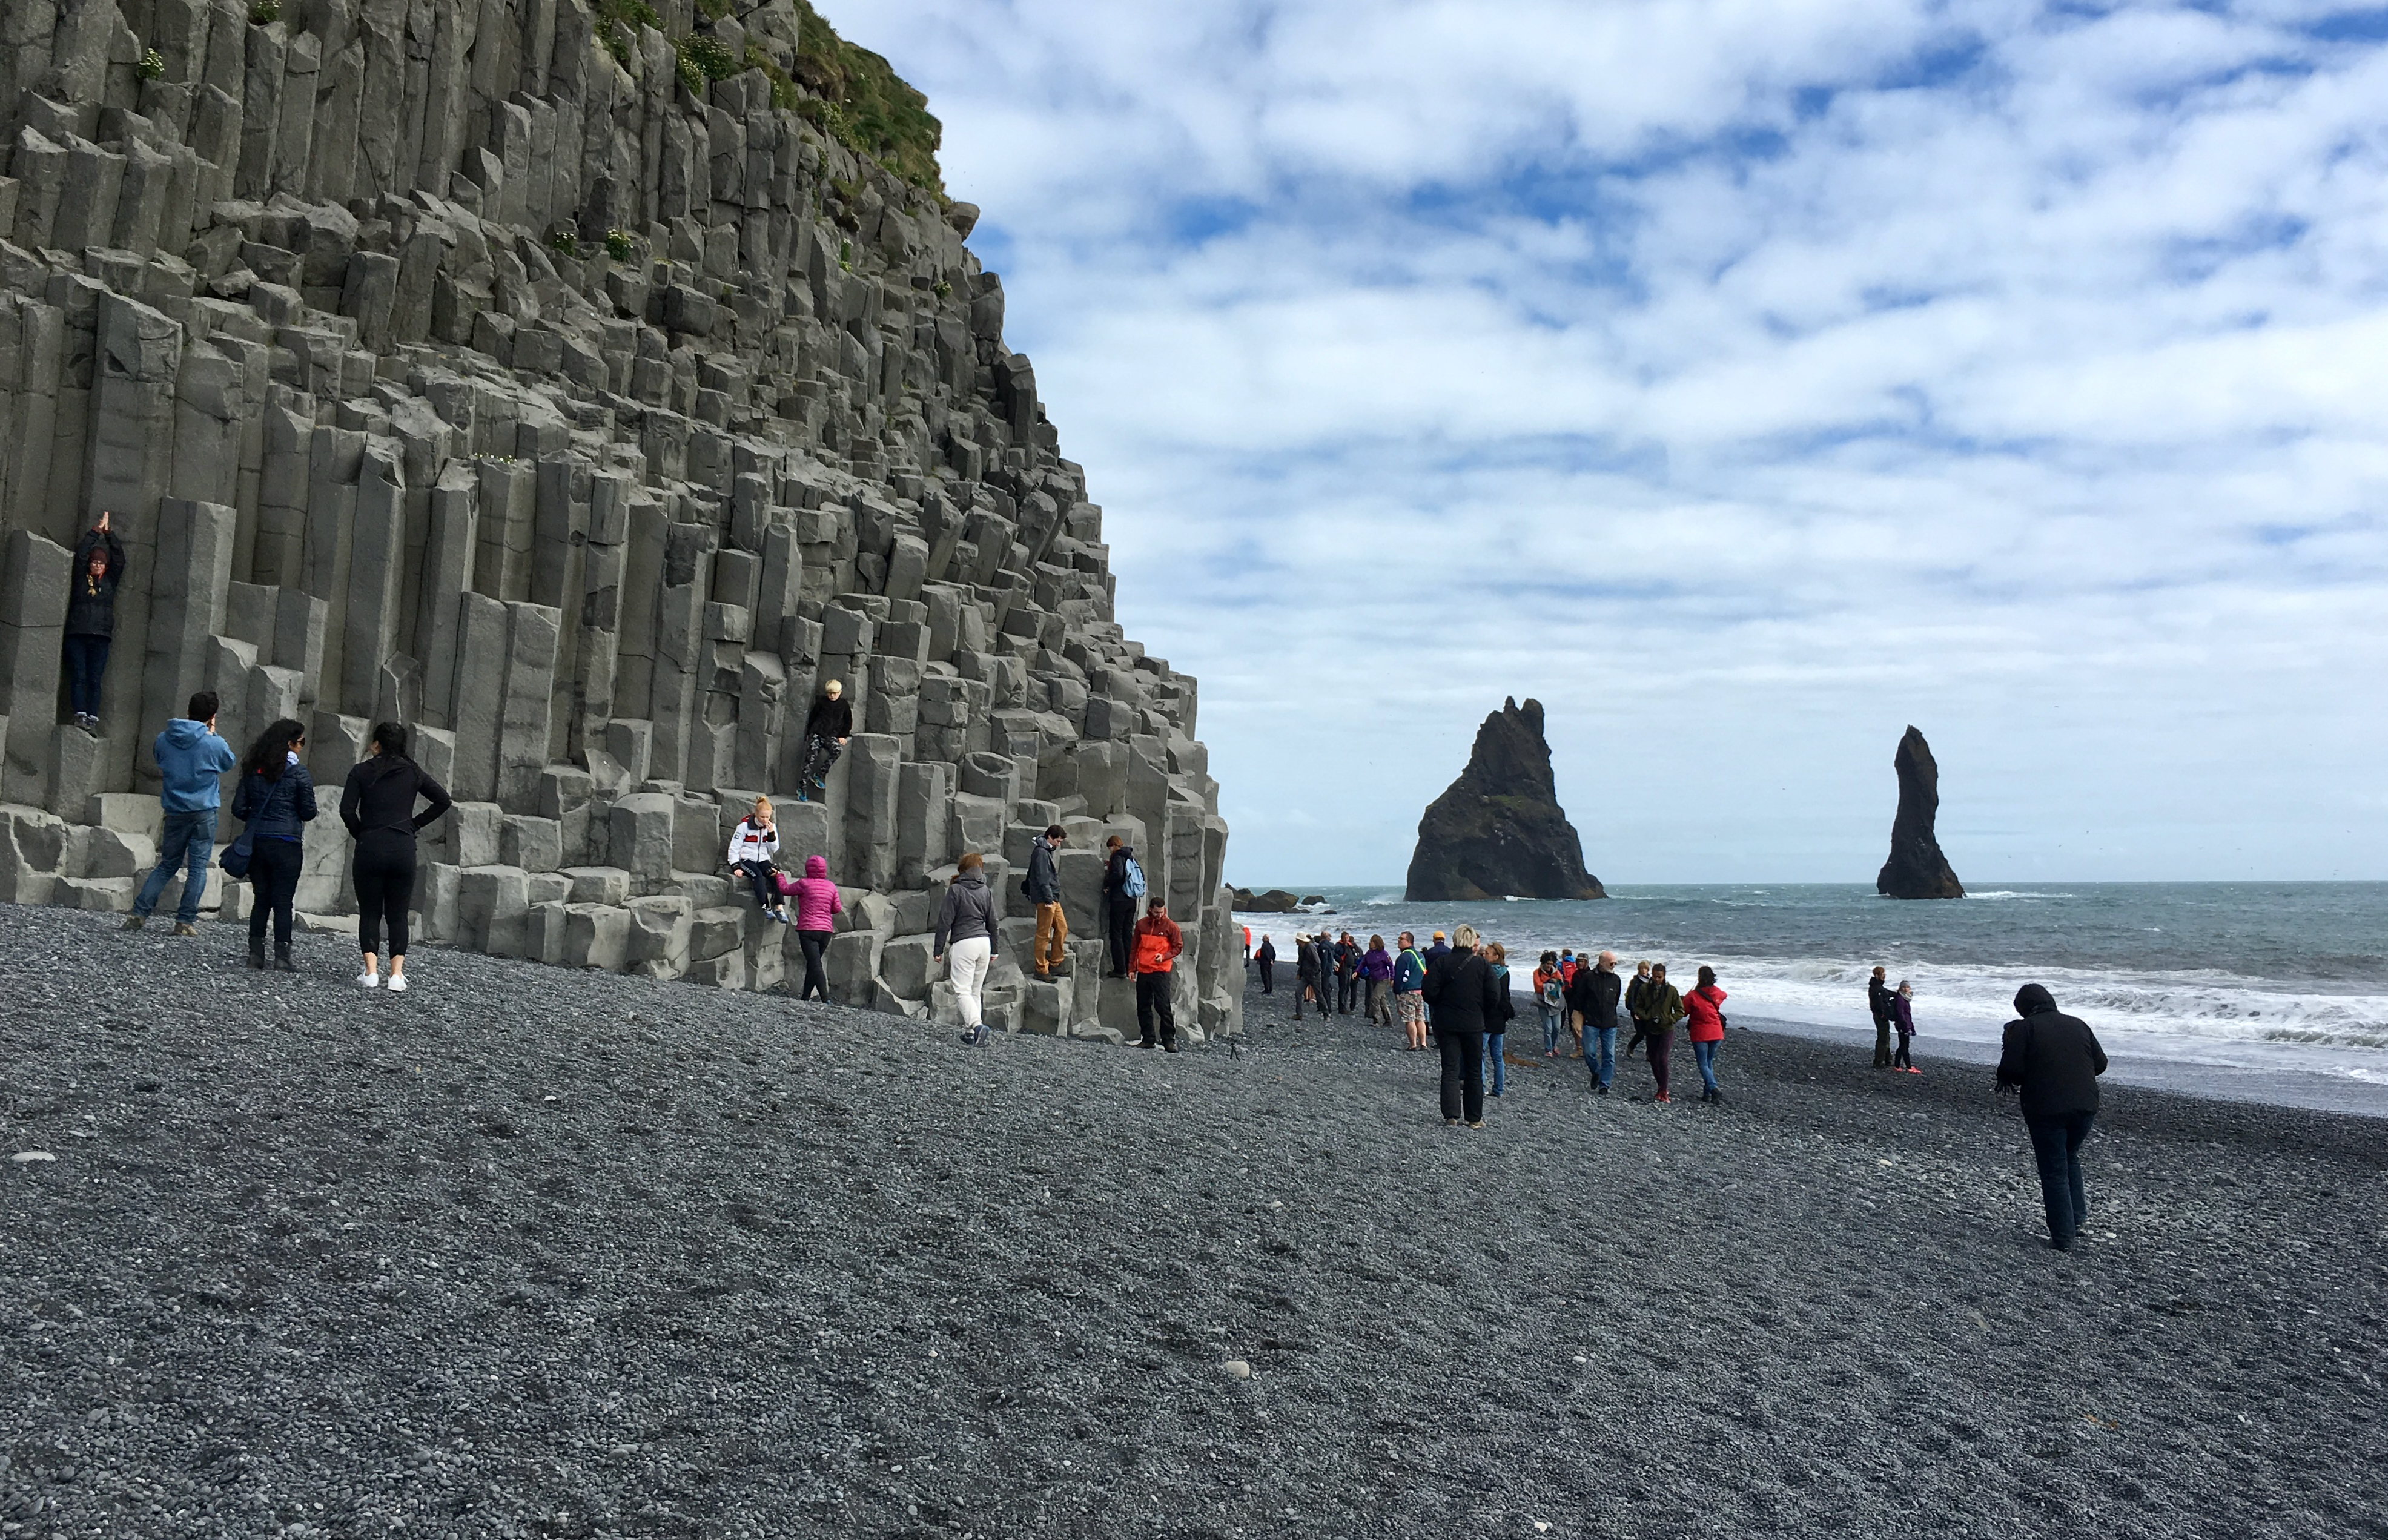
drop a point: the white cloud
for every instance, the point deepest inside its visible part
(1747, 380)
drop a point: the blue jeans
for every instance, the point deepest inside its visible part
(1704, 1054)
(2056, 1148)
(1493, 1062)
(1552, 1023)
(189, 838)
(86, 661)
(1603, 1060)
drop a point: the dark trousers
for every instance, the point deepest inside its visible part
(384, 879)
(1268, 979)
(1152, 999)
(816, 945)
(1662, 1045)
(758, 877)
(1882, 1042)
(273, 871)
(1463, 1073)
(2056, 1147)
(1905, 1057)
(1641, 1036)
(187, 843)
(1119, 919)
(86, 661)
(1347, 992)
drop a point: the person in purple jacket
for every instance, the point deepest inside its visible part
(1376, 967)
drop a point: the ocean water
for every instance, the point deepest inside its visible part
(2253, 976)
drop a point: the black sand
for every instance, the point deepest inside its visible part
(535, 1253)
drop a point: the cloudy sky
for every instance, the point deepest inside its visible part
(1745, 380)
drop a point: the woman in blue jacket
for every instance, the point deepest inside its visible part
(276, 800)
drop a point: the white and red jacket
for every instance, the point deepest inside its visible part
(749, 844)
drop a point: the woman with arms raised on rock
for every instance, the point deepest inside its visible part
(377, 804)
(276, 800)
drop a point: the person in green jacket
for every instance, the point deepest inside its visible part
(1662, 1007)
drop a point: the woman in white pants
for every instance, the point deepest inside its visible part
(966, 939)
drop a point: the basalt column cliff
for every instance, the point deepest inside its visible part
(582, 386)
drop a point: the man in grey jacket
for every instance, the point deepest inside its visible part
(1050, 954)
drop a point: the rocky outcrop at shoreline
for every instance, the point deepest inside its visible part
(1499, 830)
(584, 387)
(1916, 868)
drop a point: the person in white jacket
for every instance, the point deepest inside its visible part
(754, 851)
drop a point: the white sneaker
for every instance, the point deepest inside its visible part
(397, 983)
(371, 980)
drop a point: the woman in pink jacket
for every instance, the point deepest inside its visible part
(816, 905)
(1705, 1007)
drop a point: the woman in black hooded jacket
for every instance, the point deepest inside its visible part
(1461, 986)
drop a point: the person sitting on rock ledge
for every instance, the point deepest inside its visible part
(826, 731)
(753, 850)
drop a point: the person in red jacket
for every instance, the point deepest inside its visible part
(1152, 952)
(1705, 1007)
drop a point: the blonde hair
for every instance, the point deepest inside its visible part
(763, 806)
(1463, 936)
(832, 685)
(1496, 951)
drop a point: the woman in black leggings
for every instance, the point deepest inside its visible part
(378, 807)
(276, 800)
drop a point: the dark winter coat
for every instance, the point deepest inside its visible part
(1116, 873)
(91, 606)
(1461, 988)
(1878, 998)
(1043, 883)
(276, 809)
(2053, 1058)
(969, 911)
(831, 718)
(1592, 991)
(379, 798)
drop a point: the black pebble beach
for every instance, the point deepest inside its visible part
(530, 1251)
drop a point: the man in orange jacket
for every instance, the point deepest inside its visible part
(1152, 952)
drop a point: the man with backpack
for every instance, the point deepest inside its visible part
(1158, 942)
(191, 762)
(1123, 888)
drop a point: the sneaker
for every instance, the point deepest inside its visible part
(185, 928)
(397, 984)
(369, 980)
(1600, 1090)
(984, 1032)
(134, 921)
(1451, 1123)
(90, 725)
(1662, 1097)
(970, 1036)
(1170, 1048)
(1478, 1124)
(1147, 1043)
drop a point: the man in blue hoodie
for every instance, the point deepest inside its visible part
(192, 759)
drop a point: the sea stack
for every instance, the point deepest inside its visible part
(1916, 868)
(1499, 830)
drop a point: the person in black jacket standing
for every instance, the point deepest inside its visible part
(1461, 988)
(1593, 995)
(2053, 1060)
(1119, 904)
(277, 801)
(1267, 958)
(826, 731)
(377, 804)
(1879, 1002)
(91, 619)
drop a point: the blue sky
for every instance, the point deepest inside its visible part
(1746, 381)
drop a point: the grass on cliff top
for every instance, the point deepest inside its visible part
(865, 104)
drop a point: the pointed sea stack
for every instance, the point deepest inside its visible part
(1916, 868)
(1499, 830)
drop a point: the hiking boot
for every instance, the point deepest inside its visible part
(256, 953)
(134, 921)
(281, 964)
(184, 928)
(1169, 1048)
(1147, 1043)
(1478, 1124)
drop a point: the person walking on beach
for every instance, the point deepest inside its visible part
(1637, 1001)
(1664, 1008)
(1550, 998)
(1879, 1004)
(1377, 974)
(1903, 1015)
(1593, 999)
(1459, 986)
(753, 854)
(377, 804)
(818, 906)
(1704, 1006)
(965, 939)
(1500, 1009)
(1050, 952)
(2053, 1062)
(1267, 958)
(1305, 974)
(91, 620)
(1409, 992)
(191, 762)
(827, 727)
(1158, 942)
(1123, 885)
(277, 801)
